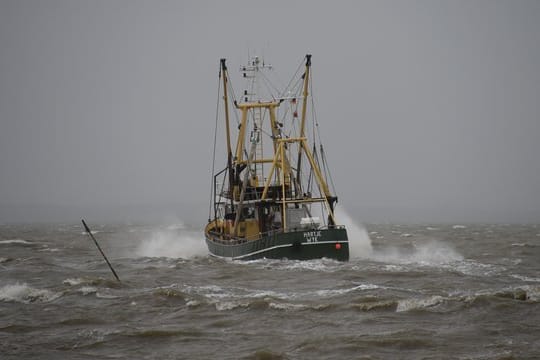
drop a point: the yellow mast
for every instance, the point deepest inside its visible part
(303, 121)
(223, 72)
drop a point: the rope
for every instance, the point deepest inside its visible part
(327, 172)
(269, 86)
(292, 78)
(214, 150)
(233, 97)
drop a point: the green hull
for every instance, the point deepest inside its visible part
(293, 245)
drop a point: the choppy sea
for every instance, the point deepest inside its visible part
(453, 291)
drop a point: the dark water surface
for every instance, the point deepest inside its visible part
(422, 292)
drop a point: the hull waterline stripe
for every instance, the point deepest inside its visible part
(278, 247)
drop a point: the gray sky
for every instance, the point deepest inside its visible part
(429, 110)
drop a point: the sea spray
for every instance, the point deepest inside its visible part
(432, 252)
(173, 244)
(359, 241)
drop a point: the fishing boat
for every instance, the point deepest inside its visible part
(272, 199)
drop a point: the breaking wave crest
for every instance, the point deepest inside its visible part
(360, 297)
(421, 303)
(89, 281)
(24, 293)
(15, 242)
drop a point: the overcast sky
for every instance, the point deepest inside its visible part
(429, 110)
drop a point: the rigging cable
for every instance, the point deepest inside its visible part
(271, 88)
(233, 97)
(327, 172)
(214, 150)
(292, 78)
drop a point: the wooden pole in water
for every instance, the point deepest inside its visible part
(99, 248)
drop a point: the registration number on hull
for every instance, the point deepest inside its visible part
(312, 236)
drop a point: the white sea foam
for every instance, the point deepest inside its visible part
(459, 227)
(237, 297)
(172, 244)
(26, 294)
(105, 296)
(46, 249)
(85, 290)
(418, 303)
(336, 292)
(325, 265)
(359, 241)
(525, 278)
(533, 293)
(474, 268)
(286, 306)
(15, 241)
(94, 232)
(193, 303)
(229, 305)
(73, 281)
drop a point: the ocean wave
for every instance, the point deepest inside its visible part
(224, 299)
(322, 265)
(216, 292)
(169, 292)
(161, 333)
(47, 249)
(533, 293)
(336, 292)
(74, 281)
(89, 338)
(530, 294)
(16, 241)
(101, 295)
(375, 305)
(267, 303)
(108, 283)
(403, 340)
(525, 278)
(475, 268)
(430, 253)
(527, 293)
(23, 293)
(86, 290)
(418, 303)
(229, 305)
